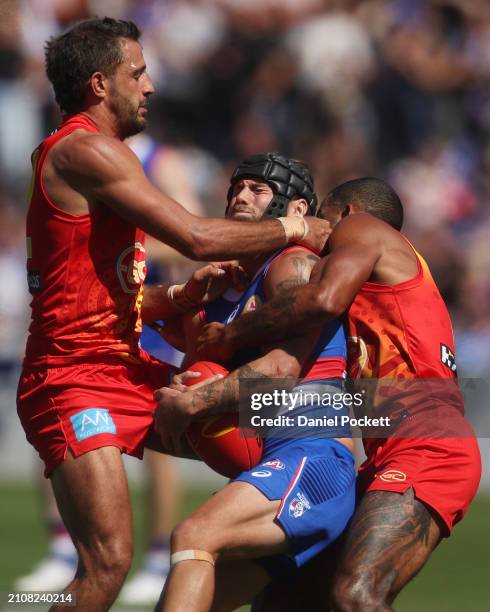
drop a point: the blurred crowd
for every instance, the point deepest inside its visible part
(393, 88)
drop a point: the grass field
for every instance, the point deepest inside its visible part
(456, 579)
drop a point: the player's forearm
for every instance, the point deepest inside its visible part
(158, 306)
(288, 315)
(223, 239)
(224, 395)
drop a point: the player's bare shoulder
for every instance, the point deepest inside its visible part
(290, 269)
(81, 162)
(93, 157)
(361, 228)
(395, 259)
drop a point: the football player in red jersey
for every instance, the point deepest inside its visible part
(418, 483)
(86, 390)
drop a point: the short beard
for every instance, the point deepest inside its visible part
(128, 122)
(132, 128)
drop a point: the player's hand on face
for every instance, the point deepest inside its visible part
(211, 343)
(318, 232)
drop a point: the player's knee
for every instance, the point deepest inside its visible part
(356, 593)
(111, 561)
(192, 534)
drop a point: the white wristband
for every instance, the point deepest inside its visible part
(295, 228)
(176, 295)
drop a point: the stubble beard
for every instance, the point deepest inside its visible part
(129, 124)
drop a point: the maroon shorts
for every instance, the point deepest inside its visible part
(443, 472)
(87, 406)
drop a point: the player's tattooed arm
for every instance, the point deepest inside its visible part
(289, 273)
(176, 410)
(276, 319)
(335, 281)
(224, 395)
(289, 314)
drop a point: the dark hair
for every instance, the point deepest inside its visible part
(88, 47)
(373, 196)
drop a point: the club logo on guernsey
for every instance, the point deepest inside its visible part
(131, 268)
(91, 422)
(274, 464)
(298, 506)
(251, 305)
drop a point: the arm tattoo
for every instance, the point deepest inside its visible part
(224, 395)
(277, 319)
(285, 315)
(301, 276)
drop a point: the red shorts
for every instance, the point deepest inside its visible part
(443, 472)
(87, 406)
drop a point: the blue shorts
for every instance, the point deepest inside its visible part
(315, 481)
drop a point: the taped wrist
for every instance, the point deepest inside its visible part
(295, 228)
(191, 555)
(177, 297)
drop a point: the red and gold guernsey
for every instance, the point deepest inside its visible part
(403, 332)
(85, 274)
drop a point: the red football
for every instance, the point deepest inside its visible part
(218, 439)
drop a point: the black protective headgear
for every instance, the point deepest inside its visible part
(289, 180)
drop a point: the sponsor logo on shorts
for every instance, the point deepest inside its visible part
(298, 506)
(91, 422)
(262, 474)
(393, 476)
(274, 464)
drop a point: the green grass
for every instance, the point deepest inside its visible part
(456, 578)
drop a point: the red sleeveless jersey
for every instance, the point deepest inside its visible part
(85, 274)
(404, 332)
(401, 331)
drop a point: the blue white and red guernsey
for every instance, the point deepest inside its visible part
(327, 360)
(306, 468)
